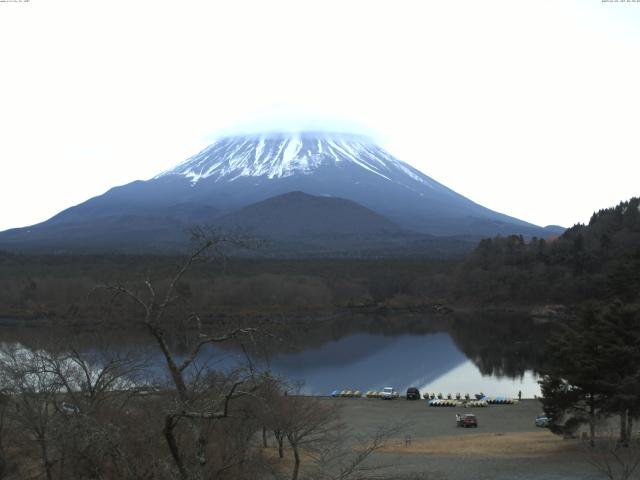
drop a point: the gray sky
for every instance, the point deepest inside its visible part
(529, 107)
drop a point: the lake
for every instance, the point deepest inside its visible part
(365, 361)
(493, 354)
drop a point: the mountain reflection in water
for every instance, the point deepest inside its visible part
(494, 354)
(364, 361)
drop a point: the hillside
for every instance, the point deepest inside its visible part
(587, 262)
(300, 214)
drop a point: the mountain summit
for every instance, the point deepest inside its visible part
(220, 184)
(238, 170)
(283, 155)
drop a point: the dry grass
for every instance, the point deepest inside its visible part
(270, 455)
(533, 444)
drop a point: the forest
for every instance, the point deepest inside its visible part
(581, 265)
(586, 263)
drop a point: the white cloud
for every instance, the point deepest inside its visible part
(529, 108)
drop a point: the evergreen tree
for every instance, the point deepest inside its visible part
(593, 370)
(572, 384)
(619, 327)
(624, 280)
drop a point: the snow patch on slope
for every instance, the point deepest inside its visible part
(283, 155)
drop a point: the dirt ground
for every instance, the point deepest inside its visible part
(506, 445)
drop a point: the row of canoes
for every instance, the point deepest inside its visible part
(502, 400)
(433, 402)
(472, 403)
(376, 394)
(359, 394)
(457, 403)
(347, 393)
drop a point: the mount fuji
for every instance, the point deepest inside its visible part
(345, 186)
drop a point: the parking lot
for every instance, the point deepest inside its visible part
(365, 414)
(506, 444)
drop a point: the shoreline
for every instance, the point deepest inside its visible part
(536, 311)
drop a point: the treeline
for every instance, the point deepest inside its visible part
(586, 262)
(60, 286)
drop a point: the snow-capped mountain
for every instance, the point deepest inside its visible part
(277, 156)
(238, 171)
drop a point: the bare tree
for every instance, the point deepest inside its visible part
(7, 466)
(313, 430)
(196, 403)
(308, 425)
(346, 456)
(66, 402)
(94, 378)
(34, 393)
(273, 414)
(615, 459)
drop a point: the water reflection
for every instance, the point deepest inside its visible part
(431, 362)
(467, 378)
(495, 354)
(368, 361)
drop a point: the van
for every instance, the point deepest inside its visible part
(387, 393)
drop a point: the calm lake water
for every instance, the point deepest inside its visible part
(365, 361)
(471, 354)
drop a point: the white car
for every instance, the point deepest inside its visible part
(388, 393)
(543, 421)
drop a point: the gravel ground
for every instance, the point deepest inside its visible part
(506, 445)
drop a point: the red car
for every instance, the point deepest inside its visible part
(467, 420)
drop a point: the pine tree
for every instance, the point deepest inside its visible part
(593, 370)
(619, 327)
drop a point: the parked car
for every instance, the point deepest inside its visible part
(413, 393)
(70, 408)
(466, 420)
(388, 393)
(542, 421)
(148, 390)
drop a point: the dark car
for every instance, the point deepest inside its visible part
(467, 420)
(413, 393)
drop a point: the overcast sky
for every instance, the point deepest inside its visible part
(531, 108)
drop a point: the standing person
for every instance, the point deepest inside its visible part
(519, 395)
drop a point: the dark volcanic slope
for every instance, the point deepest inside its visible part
(300, 214)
